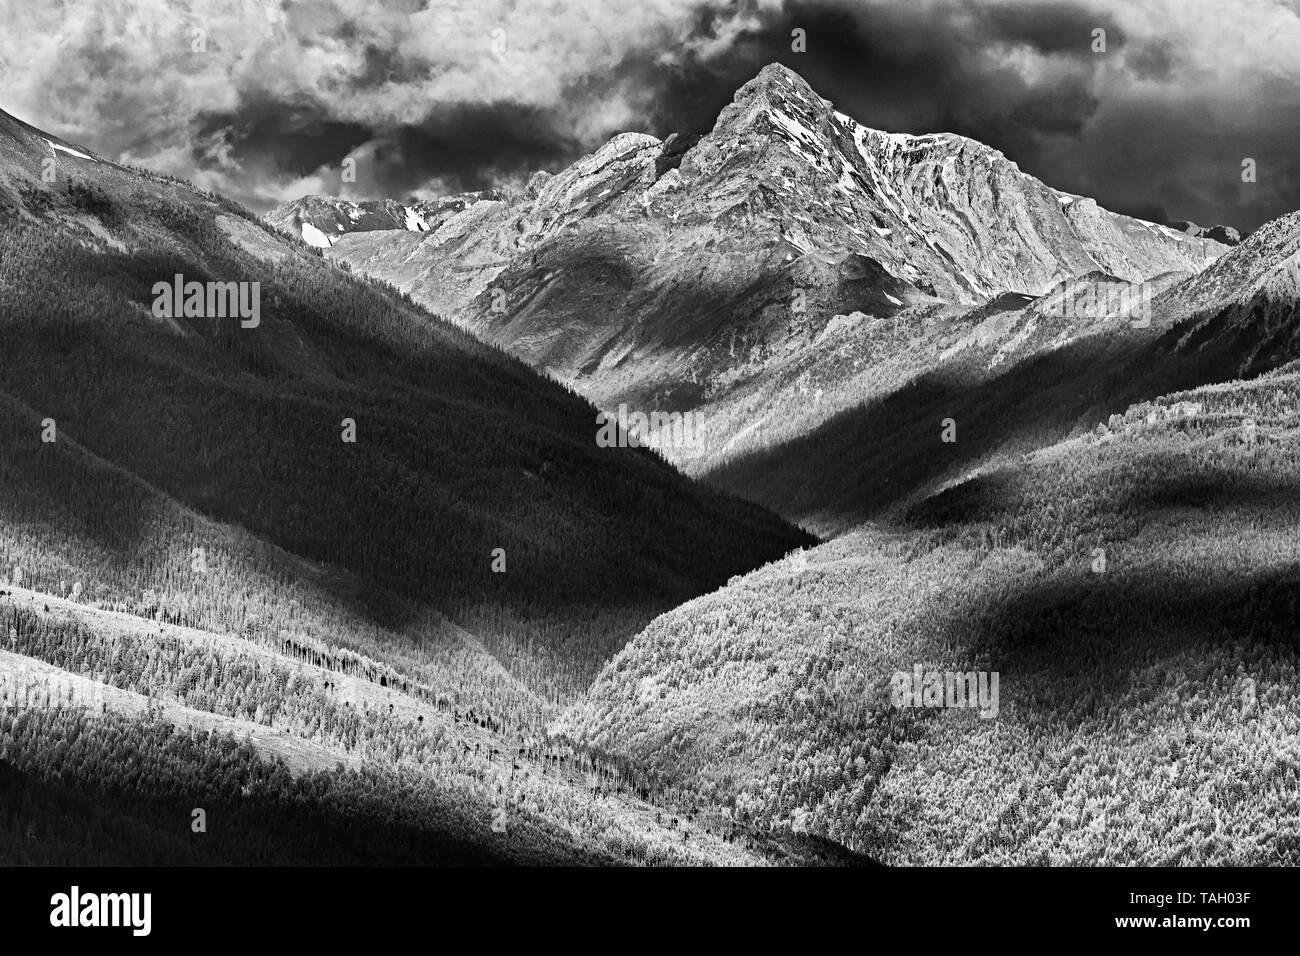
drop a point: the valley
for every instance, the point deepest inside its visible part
(593, 522)
(186, 435)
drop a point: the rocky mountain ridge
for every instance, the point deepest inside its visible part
(798, 178)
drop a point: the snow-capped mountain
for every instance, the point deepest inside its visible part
(787, 176)
(671, 279)
(938, 210)
(320, 220)
(791, 265)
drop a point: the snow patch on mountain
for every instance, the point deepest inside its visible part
(314, 237)
(414, 222)
(70, 151)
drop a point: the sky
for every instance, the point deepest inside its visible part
(263, 100)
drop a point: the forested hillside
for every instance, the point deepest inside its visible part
(463, 459)
(116, 729)
(346, 521)
(1136, 590)
(67, 798)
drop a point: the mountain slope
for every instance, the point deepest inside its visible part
(459, 450)
(1136, 591)
(297, 762)
(183, 518)
(1011, 376)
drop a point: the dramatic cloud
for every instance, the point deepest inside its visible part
(263, 99)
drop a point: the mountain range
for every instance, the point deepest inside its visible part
(943, 416)
(781, 273)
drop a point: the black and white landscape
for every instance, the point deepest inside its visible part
(576, 434)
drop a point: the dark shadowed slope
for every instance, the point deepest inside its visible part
(459, 449)
(1010, 379)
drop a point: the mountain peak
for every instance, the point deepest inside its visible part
(778, 73)
(777, 83)
(777, 105)
(783, 175)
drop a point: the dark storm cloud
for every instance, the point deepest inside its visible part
(291, 137)
(430, 96)
(1153, 61)
(1058, 28)
(1189, 161)
(474, 146)
(463, 146)
(1061, 109)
